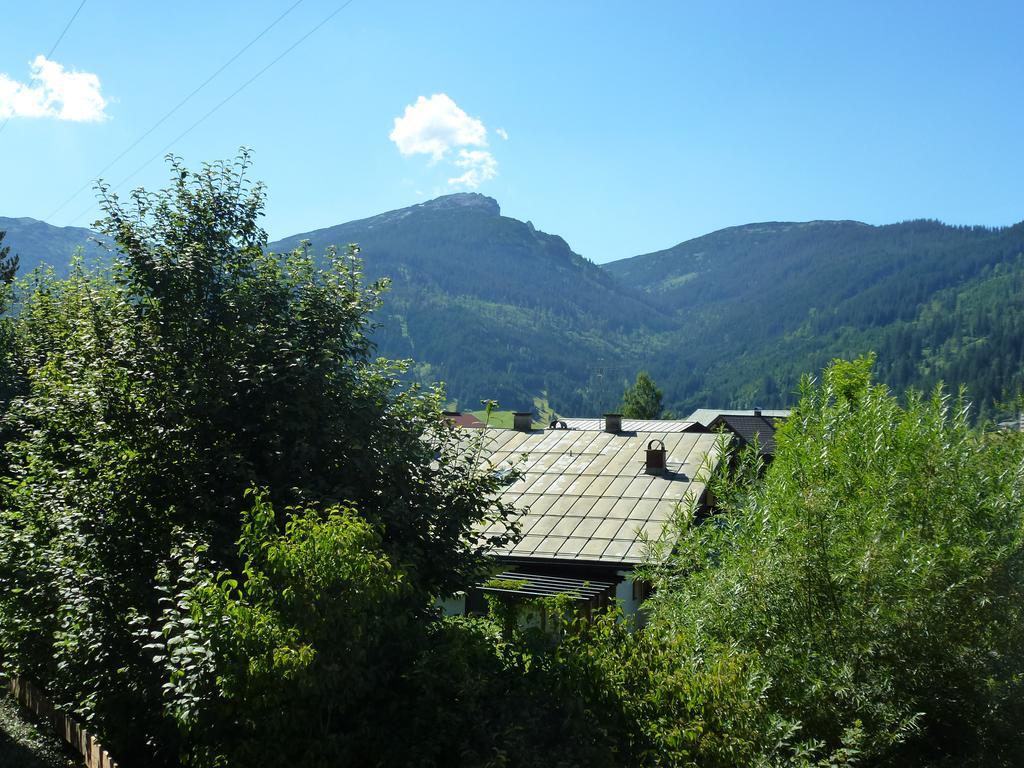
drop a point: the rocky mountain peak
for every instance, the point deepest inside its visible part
(462, 200)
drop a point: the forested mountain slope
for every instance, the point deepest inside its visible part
(37, 242)
(495, 308)
(759, 304)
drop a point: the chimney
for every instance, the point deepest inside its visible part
(757, 411)
(613, 422)
(655, 464)
(522, 421)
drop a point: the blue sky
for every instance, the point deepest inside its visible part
(630, 126)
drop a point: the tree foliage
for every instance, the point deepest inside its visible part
(873, 580)
(8, 264)
(642, 399)
(320, 625)
(8, 369)
(157, 393)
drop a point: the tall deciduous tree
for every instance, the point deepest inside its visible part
(158, 392)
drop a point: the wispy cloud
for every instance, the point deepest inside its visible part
(437, 126)
(53, 92)
(480, 166)
(502, 133)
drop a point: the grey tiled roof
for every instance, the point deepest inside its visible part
(585, 494)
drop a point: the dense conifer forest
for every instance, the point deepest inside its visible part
(760, 304)
(498, 310)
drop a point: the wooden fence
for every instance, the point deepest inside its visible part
(67, 728)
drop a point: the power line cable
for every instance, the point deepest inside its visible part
(66, 28)
(174, 109)
(228, 98)
(53, 47)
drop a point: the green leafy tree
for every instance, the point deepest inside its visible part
(873, 580)
(8, 264)
(157, 392)
(319, 628)
(8, 269)
(10, 378)
(642, 399)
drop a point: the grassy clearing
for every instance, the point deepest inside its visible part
(500, 419)
(504, 419)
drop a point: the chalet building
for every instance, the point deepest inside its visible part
(592, 492)
(705, 416)
(748, 427)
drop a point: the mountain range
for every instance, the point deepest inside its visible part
(763, 303)
(38, 243)
(497, 309)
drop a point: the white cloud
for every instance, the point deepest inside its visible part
(480, 166)
(502, 132)
(437, 127)
(53, 92)
(434, 126)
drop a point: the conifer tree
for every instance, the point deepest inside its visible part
(642, 400)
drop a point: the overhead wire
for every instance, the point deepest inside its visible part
(53, 48)
(224, 101)
(65, 30)
(175, 108)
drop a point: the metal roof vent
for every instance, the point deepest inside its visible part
(613, 422)
(655, 464)
(557, 424)
(522, 421)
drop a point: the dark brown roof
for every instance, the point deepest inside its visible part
(636, 425)
(467, 420)
(707, 415)
(745, 427)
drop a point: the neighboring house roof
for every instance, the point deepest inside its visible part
(542, 585)
(464, 419)
(707, 415)
(636, 425)
(746, 427)
(1012, 424)
(586, 495)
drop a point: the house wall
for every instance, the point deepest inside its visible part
(628, 594)
(624, 593)
(452, 606)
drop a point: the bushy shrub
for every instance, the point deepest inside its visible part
(298, 656)
(873, 578)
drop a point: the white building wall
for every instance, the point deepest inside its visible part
(454, 605)
(624, 594)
